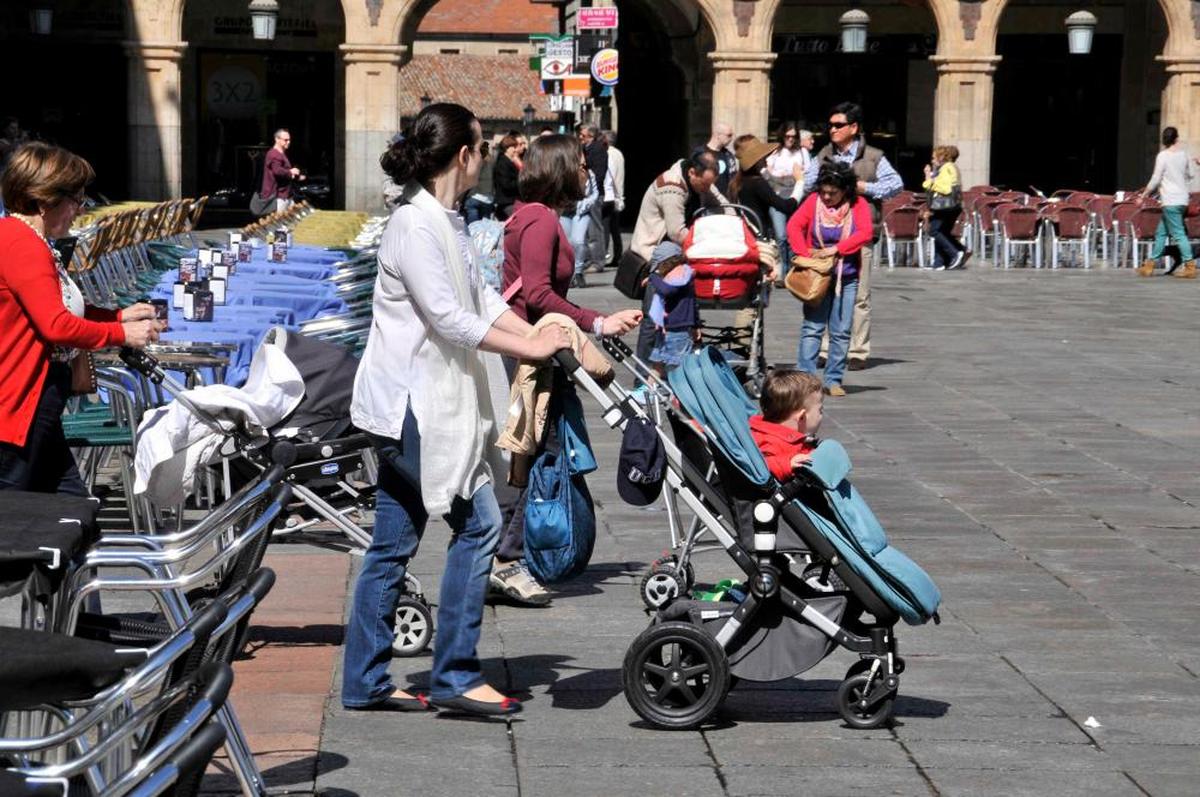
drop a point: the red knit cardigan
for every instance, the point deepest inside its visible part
(800, 227)
(33, 320)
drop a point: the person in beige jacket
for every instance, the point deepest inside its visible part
(667, 209)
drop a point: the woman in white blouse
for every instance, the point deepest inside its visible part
(422, 394)
(785, 173)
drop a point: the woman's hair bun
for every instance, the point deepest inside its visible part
(430, 143)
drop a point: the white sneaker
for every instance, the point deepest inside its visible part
(514, 580)
(958, 261)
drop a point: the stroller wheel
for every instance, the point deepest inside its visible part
(669, 563)
(414, 626)
(660, 587)
(675, 675)
(865, 702)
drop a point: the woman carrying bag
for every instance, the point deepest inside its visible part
(944, 186)
(422, 394)
(832, 225)
(539, 263)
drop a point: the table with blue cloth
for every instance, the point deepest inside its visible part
(259, 296)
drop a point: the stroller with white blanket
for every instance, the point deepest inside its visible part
(294, 411)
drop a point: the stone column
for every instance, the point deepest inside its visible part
(742, 90)
(155, 147)
(1181, 98)
(962, 113)
(372, 118)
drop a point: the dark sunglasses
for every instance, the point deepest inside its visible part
(839, 125)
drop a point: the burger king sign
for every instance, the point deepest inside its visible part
(604, 67)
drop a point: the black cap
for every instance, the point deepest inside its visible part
(642, 465)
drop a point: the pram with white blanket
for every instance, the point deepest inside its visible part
(294, 411)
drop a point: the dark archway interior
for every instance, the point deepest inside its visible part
(651, 103)
(70, 88)
(1056, 115)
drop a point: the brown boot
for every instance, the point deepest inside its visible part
(1146, 269)
(1187, 271)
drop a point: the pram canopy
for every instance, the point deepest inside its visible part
(709, 392)
(724, 256)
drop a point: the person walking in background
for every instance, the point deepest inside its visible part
(786, 168)
(279, 176)
(480, 203)
(944, 186)
(1172, 178)
(595, 152)
(576, 221)
(614, 196)
(718, 144)
(505, 173)
(876, 180)
(832, 222)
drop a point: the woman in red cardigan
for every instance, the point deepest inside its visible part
(43, 320)
(832, 222)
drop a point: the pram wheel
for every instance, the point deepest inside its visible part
(859, 688)
(414, 626)
(664, 583)
(675, 675)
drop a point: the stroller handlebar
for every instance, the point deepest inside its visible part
(142, 362)
(567, 359)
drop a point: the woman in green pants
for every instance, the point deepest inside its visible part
(1172, 176)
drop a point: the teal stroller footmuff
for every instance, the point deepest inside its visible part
(861, 541)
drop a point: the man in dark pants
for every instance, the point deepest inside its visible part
(667, 209)
(595, 152)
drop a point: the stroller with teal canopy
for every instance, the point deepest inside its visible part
(818, 569)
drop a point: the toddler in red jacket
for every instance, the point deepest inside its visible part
(792, 404)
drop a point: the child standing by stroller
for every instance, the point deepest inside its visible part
(673, 308)
(792, 406)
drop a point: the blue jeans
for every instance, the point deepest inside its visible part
(475, 209)
(836, 312)
(576, 228)
(400, 520)
(1171, 224)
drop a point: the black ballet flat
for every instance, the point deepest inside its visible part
(480, 708)
(399, 704)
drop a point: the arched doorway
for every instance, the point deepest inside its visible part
(1077, 121)
(69, 87)
(664, 99)
(237, 92)
(893, 80)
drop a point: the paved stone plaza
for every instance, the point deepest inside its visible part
(1031, 438)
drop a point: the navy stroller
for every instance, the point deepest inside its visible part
(818, 569)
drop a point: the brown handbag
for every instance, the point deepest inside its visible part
(810, 277)
(83, 374)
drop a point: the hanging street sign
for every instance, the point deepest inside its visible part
(558, 58)
(596, 18)
(604, 67)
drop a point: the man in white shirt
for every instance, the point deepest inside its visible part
(614, 195)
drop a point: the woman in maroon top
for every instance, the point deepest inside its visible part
(43, 319)
(538, 255)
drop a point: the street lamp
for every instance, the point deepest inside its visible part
(41, 20)
(426, 101)
(263, 16)
(527, 114)
(854, 30)
(1080, 28)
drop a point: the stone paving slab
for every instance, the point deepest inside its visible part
(1031, 438)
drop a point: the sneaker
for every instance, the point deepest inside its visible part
(835, 390)
(939, 268)
(594, 268)
(577, 281)
(857, 364)
(514, 580)
(959, 260)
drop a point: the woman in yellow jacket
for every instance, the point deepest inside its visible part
(945, 204)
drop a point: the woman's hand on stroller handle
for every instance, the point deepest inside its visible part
(547, 341)
(620, 322)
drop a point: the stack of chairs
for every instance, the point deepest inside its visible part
(272, 221)
(117, 703)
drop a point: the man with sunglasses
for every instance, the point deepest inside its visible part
(877, 180)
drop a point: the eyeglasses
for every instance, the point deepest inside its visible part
(839, 125)
(789, 135)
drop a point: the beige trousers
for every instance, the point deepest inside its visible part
(860, 331)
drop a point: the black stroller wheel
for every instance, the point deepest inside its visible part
(414, 627)
(669, 563)
(659, 587)
(675, 675)
(855, 702)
